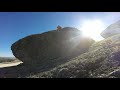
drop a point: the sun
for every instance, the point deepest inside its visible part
(92, 28)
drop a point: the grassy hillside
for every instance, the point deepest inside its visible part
(102, 60)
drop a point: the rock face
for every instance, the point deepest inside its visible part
(51, 48)
(111, 30)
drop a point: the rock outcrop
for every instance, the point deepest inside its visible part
(111, 30)
(51, 48)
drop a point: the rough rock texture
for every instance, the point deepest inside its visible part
(51, 48)
(101, 61)
(111, 30)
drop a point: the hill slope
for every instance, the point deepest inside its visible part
(102, 60)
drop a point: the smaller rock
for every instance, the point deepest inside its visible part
(59, 27)
(111, 30)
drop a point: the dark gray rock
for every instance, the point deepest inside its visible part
(51, 48)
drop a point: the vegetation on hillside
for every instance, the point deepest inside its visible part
(99, 62)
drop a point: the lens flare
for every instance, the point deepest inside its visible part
(92, 28)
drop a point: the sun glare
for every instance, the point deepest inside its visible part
(92, 28)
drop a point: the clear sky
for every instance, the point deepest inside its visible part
(16, 25)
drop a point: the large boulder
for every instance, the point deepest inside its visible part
(51, 48)
(111, 30)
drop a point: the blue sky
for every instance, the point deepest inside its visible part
(16, 25)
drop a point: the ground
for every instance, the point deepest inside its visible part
(101, 61)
